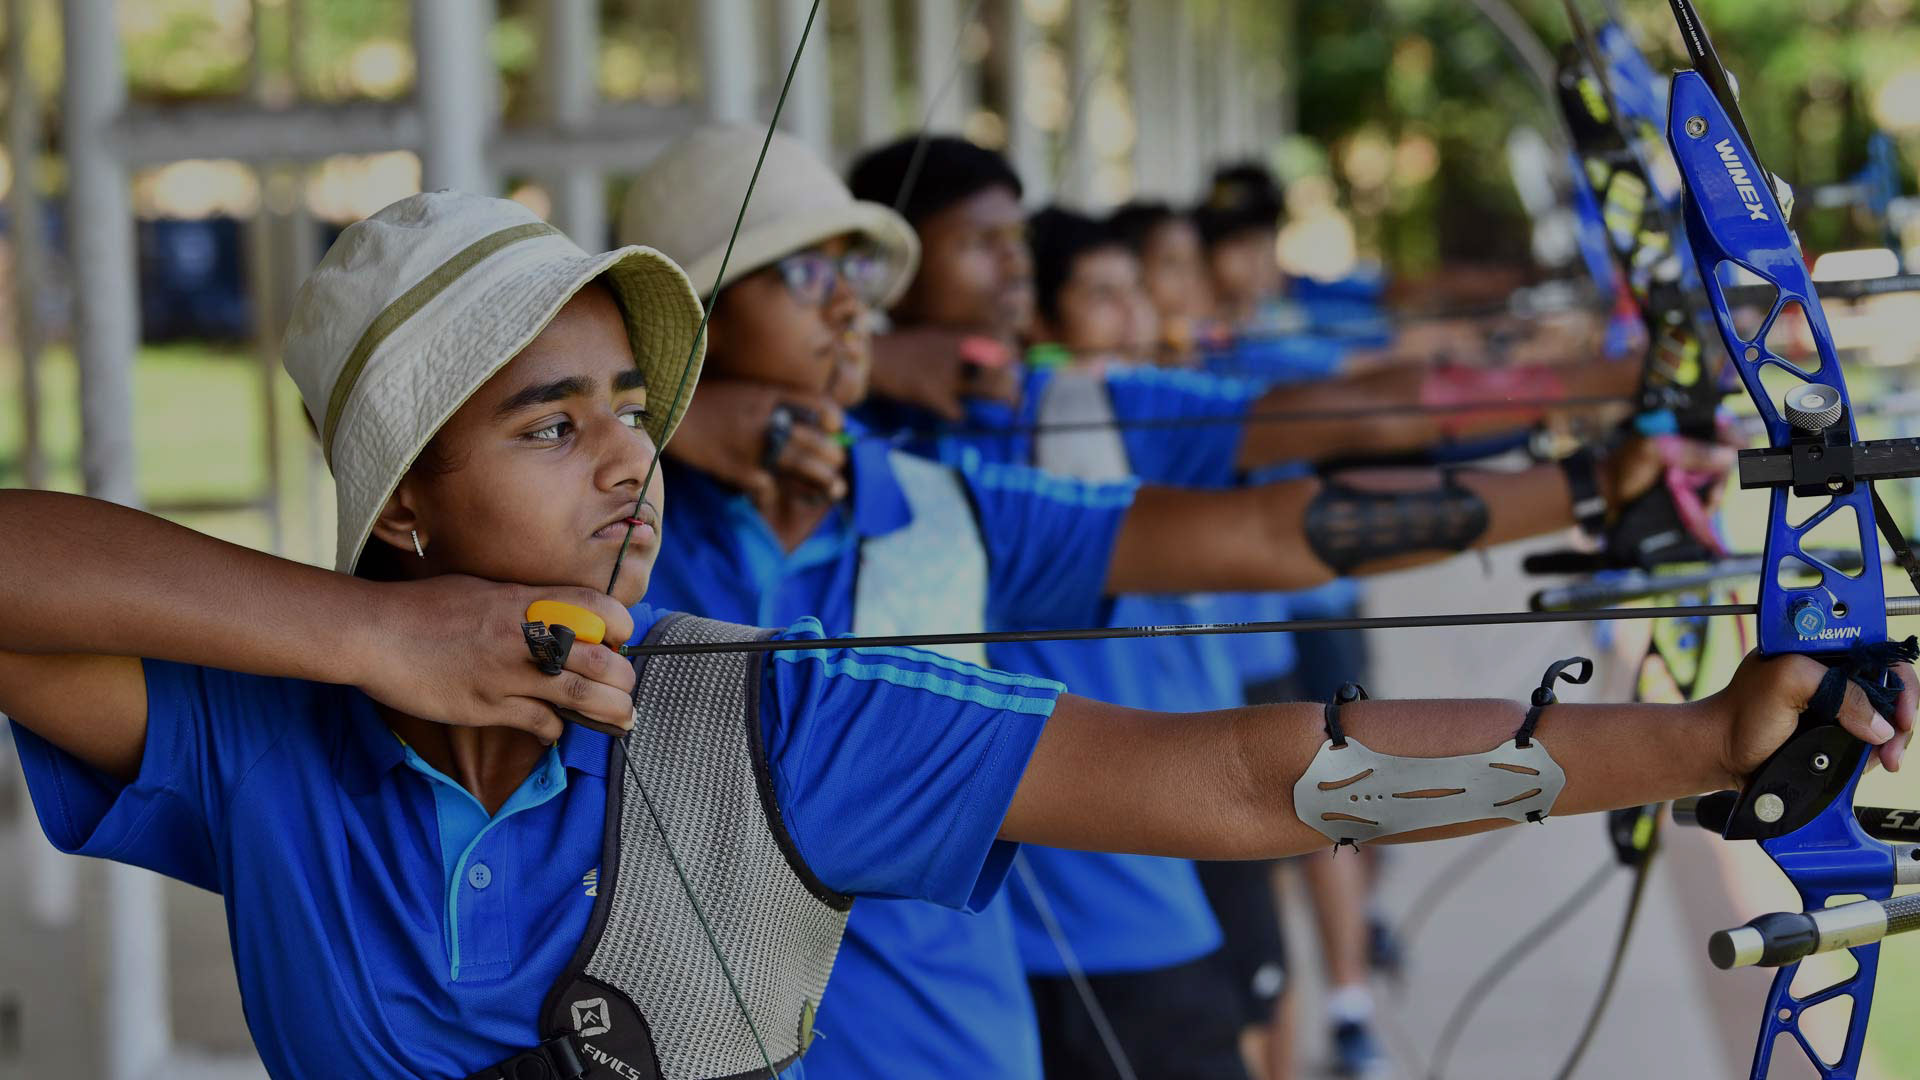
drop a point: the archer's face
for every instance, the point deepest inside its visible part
(534, 479)
(1174, 269)
(1103, 307)
(976, 271)
(1245, 270)
(787, 327)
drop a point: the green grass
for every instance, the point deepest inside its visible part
(199, 436)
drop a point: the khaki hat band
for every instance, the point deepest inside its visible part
(407, 305)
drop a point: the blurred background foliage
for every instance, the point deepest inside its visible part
(1412, 100)
(1402, 107)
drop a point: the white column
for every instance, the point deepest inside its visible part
(456, 93)
(137, 1019)
(936, 33)
(1230, 91)
(1184, 148)
(1281, 54)
(808, 114)
(1146, 89)
(878, 120)
(1083, 68)
(29, 246)
(569, 44)
(729, 60)
(1026, 143)
(100, 214)
(53, 879)
(106, 334)
(1206, 97)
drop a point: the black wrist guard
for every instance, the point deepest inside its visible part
(1347, 527)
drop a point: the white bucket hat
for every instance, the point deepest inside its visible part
(685, 202)
(413, 309)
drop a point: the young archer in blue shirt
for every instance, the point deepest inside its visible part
(371, 769)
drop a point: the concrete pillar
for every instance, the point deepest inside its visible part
(936, 63)
(808, 114)
(1026, 143)
(27, 242)
(569, 44)
(100, 215)
(729, 60)
(266, 288)
(456, 94)
(1230, 89)
(263, 288)
(878, 119)
(1185, 147)
(137, 1020)
(53, 879)
(1147, 90)
(1079, 162)
(136, 1023)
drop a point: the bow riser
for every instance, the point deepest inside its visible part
(1733, 216)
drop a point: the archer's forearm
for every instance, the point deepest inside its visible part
(89, 577)
(1377, 414)
(1256, 539)
(1219, 785)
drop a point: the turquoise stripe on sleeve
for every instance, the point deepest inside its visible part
(1115, 495)
(928, 681)
(961, 667)
(1196, 383)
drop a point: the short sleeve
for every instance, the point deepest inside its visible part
(204, 728)
(894, 768)
(1205, 455)
(1049, 542)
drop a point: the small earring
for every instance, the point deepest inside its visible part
(417, 549)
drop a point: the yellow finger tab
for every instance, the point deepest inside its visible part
(588, 628)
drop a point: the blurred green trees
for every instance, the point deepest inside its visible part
(1405, 105)
(1817, 78)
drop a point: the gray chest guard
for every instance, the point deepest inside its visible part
(645, 997)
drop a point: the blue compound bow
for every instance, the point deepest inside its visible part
(1799, 805)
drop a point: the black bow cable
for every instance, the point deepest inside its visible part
(1476, 994)
(679, 393)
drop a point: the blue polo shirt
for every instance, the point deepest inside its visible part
(918, 989)
(1202, 455)
(1124, 913)
(384, 925)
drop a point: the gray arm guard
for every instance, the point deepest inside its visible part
(1352, 794)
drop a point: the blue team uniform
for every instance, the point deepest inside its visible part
(918, 989)
(1124, 913)
(384, 925)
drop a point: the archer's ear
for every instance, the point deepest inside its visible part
(399, 519)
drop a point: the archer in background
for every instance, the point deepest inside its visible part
(1133, 920)
(780, 520)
